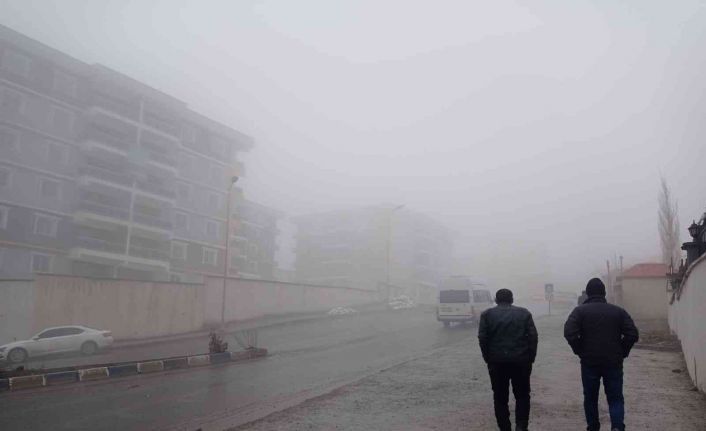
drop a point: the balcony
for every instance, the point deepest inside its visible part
(161, 122)
(88, 205)
(104, 174)
(151, 220)
(107, 136)
(158, 188)
(92, 243)
(149, 253)
(163, 158)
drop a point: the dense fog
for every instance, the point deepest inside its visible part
(537, 133)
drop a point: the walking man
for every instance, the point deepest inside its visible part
(602, 335)
(508, 341)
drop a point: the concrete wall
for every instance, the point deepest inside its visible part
(130, 309)
(646, 298)
(249, 299)
(16, 309)
(687, 319)
(134, 309)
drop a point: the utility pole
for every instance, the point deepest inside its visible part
(388, 241)
(226, 263)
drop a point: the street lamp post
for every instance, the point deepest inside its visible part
(387, 246)
(233, 180)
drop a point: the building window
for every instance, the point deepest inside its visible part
(175, 278)
(189, 133)
(218, 146)
(179, 250)
(8, 139)
(16, 63)
(4, 216)
(62, 119)
(65, 84)
(5, 177)
(184, 191)
(49, 189)
(213, 229)
(45, 225)
(12, 100)
(56, 152)
(216, 173)
(41, 262)
(210, 256)
(214, 201)
(181, 221)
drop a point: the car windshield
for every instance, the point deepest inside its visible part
(304, 215)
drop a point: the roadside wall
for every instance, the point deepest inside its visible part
(16, 307)
(687, 319)
(646, 299)
(130, 309)
(249, 299)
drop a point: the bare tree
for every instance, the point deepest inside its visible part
(668, 225)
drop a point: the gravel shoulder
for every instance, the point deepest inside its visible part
(449, 389)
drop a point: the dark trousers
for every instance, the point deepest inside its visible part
(501, 374)
(613, 384)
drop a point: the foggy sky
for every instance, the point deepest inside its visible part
(545, 125)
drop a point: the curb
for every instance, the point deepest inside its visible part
(124, 370)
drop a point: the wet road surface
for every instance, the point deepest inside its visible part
(307, 359)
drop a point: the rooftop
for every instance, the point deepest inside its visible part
(646, 270)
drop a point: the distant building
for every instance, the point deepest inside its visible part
(349, 248)
(101, 175)
(254, 240)
(643, 291)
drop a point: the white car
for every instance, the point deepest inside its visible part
(59, 339)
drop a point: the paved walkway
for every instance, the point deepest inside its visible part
(449, 389)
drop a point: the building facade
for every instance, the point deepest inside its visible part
(101, 175)
(350, 248)
(254, 241)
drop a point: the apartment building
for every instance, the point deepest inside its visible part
(101, 175)
(349, 248)
(254, 240)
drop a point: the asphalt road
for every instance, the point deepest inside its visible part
(307, 359)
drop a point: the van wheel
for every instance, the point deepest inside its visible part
(447, 324)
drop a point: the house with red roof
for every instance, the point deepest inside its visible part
(642, 290)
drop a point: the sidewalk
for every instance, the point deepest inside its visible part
(449, 390)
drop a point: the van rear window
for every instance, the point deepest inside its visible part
(454, 296)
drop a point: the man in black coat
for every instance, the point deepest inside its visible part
(508, 342)
(602, 335)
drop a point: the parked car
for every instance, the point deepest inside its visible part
(59, 339)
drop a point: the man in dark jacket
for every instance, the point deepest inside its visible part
(508, 341)
(602, 335)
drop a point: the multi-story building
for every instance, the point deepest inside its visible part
(254, 240)
(350, 248)
(101, 175)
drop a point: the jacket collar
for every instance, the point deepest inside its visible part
(504, 304)
(596, 298)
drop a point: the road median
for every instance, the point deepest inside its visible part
(112, 371)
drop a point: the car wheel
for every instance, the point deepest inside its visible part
(89, 348)
(17, 355)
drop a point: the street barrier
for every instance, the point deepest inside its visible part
(122, 370)
(150, 367)
(125, 370)
(199, 361)
(26, 382)
(93, 373)
(176, 363)
(61, 378)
